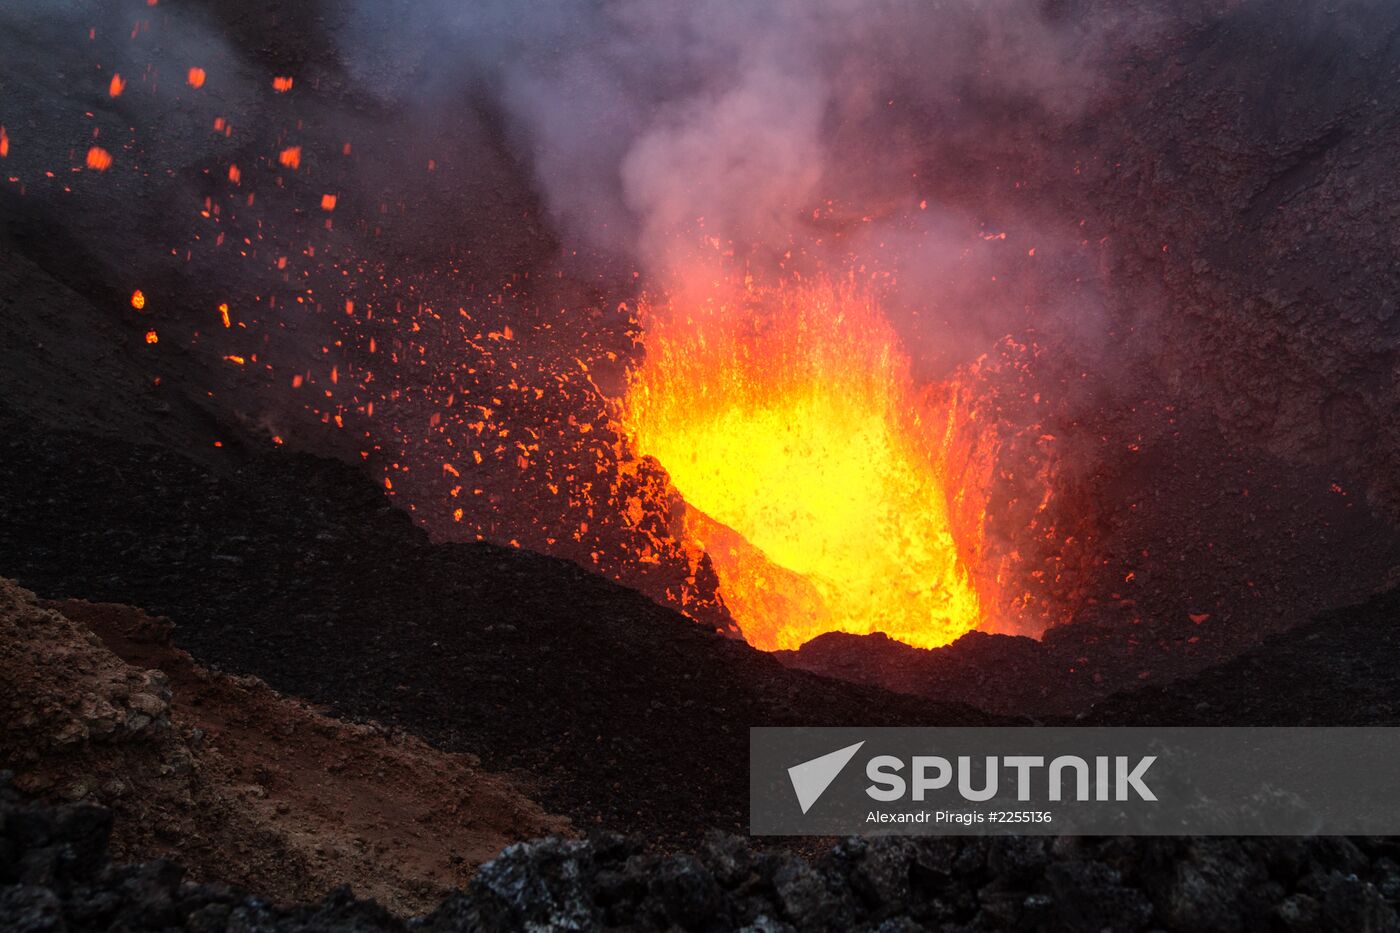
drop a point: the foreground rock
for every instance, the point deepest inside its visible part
(55, 875)
(945, 884)
(238, 783)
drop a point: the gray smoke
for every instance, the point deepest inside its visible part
(672, 134)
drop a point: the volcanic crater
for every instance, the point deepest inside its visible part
(346, 363)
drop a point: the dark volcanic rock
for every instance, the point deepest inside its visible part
(633, 716)
(54, 875)
(1289, 678)
(1089, 896)
(1341, 670)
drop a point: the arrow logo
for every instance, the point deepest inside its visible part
(811, 778)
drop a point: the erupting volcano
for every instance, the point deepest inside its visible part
(428, 426)
(813, 469)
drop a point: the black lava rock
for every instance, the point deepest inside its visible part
(55, 875)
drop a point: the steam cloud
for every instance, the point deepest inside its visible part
(666, 132)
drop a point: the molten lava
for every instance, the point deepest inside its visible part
(813, 470)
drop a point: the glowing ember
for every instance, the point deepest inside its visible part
(117, 86)
(4, 144)
(99, 159)
(290, 157)
(327, 202)
(813, 471)
(281, 85)
(195, 77)
(138, 299)
(151, 337)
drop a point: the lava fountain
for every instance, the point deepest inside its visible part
(814, 472)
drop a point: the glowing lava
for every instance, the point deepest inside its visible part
(812, 468)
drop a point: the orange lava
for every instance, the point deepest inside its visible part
(812, 467)
(99, 159)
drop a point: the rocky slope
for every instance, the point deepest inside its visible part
(297, 570)
(1342, 669)
(55, 873)
(238, 783)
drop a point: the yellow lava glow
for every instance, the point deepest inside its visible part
(811, 468)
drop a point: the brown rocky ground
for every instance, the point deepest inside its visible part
(236, 782)
(56, 873)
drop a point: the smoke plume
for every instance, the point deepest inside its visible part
(675, 136)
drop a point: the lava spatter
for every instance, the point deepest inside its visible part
(811, 466)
